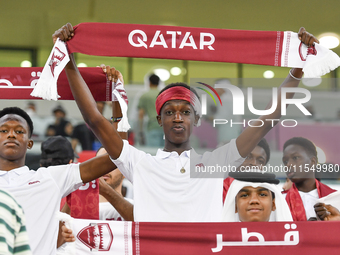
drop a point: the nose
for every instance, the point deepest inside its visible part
(289, 163)
(178, 117)
(11, 133)
(254, 198)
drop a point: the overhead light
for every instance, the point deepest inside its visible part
(268, 74)
(311, 82)
(329, 40)
(175, 71)
(321, 155)
(163, 74)
(26, 63)
(82, 65)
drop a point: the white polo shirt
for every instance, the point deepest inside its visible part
(309, 199)
(163, 193)
(39, 193)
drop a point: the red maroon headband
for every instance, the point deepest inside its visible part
(180, 93)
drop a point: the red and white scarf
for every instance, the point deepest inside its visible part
(295, 203)
(150, 238)
(272, 48)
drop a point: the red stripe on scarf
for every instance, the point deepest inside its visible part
(18, 83)
(234, 46)
(226, 185)
(295, 203)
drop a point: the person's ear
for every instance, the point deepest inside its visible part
(235, 207)
(197, 117)
(30, 144)
(159, 120)
(314, 160)
(273, 205)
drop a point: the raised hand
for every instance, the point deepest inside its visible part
(64, 33)
(307, 38)
(113, 75)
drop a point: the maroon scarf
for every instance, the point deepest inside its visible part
(18, 83)
(170, 42)
(226, 185)
(295, 203)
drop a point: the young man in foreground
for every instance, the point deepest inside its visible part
(255, 196)
(39, 192)
(163, 189)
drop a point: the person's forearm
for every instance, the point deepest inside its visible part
(123, 207)
(88, 108)
(250, 137)
(289, 82)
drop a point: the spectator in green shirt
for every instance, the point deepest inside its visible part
(153, 135)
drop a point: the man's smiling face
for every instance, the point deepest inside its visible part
(254, 204)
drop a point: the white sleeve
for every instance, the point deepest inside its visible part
(67, 177)
(229, 153)
(127, 160)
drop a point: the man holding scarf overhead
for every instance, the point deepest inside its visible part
(163, 189)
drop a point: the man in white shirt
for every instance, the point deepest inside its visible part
(300, 156)
(39, 192)
(163, 189)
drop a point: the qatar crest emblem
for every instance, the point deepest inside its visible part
(310, 51)
(57, 57)
(96, 236)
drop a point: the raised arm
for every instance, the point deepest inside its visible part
(251, 136)
(101, 127)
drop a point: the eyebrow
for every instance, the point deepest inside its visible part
(16, 126)
(260, 189)
(169, 102)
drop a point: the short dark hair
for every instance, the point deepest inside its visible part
(59, 108)
(53, 162)
(21, 113)
(56, 150)
(154, 79)
(265, 146)
(303, 142)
